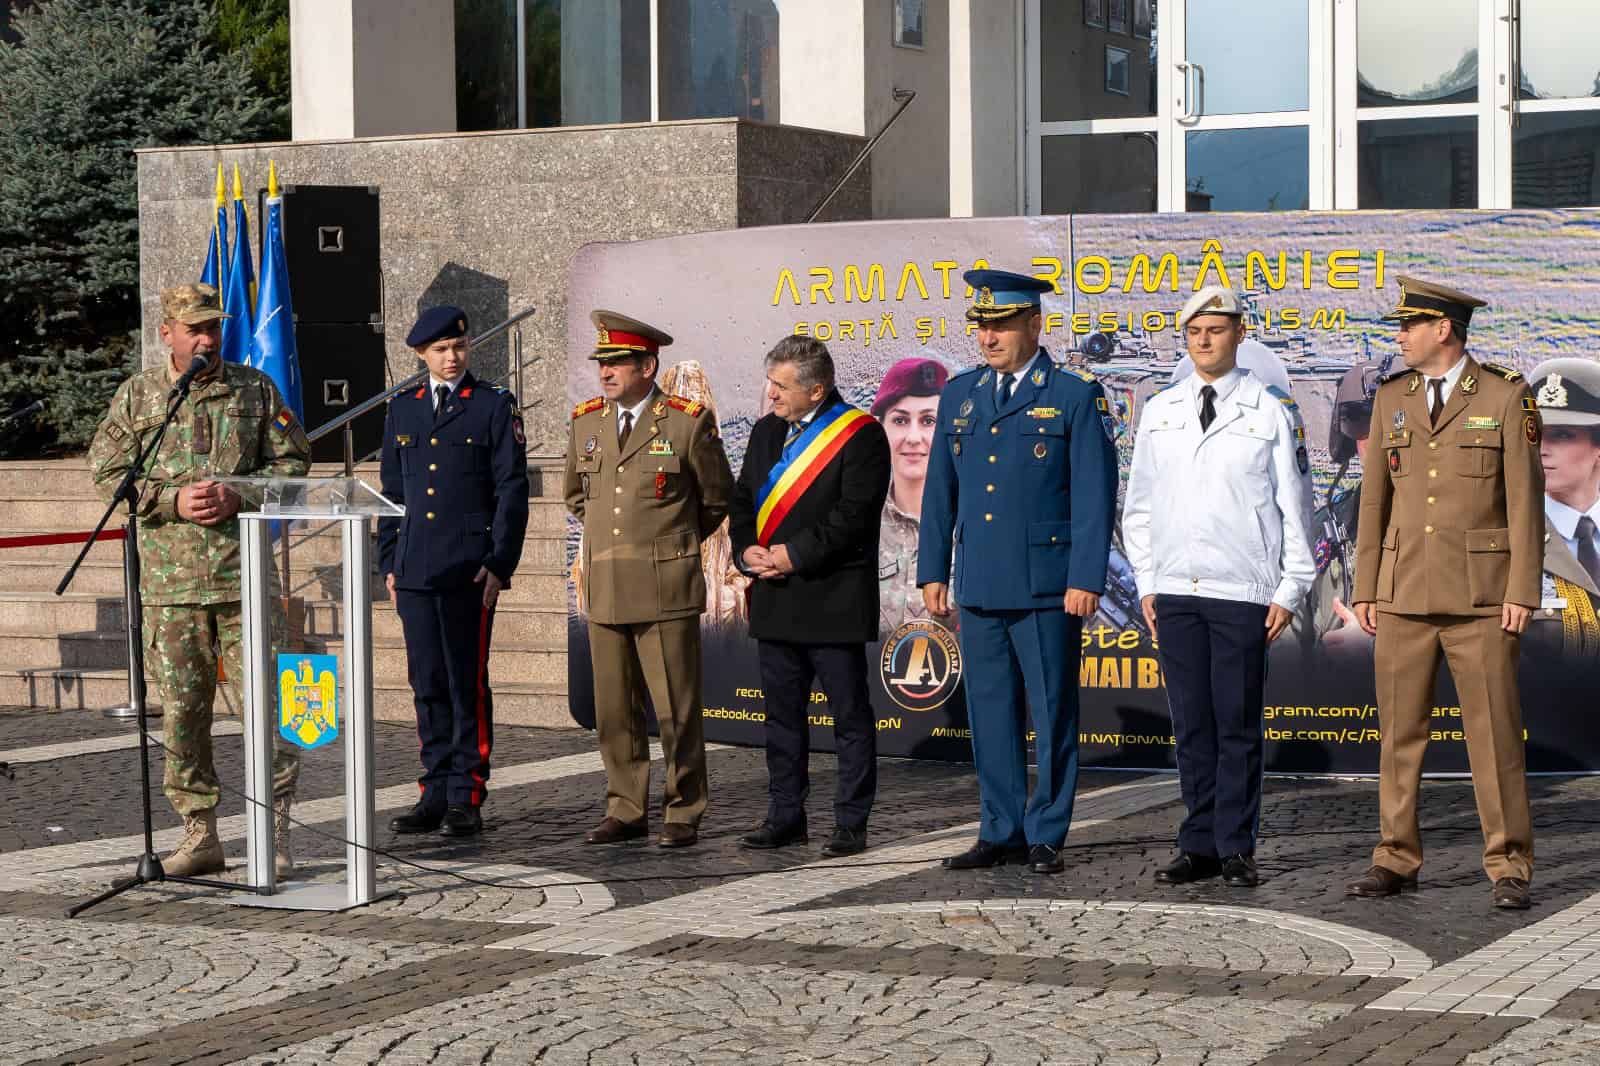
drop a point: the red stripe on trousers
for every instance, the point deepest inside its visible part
(482, 707)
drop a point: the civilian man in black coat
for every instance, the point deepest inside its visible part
(805, 519)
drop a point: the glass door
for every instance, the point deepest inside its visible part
(1178, 105)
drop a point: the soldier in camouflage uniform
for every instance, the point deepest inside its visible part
(234, 422)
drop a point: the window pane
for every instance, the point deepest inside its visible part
(1098, 173)
(1416, 52)
(1553, 160)
(1072, 77)
(719, 59)
(486, 64)
(1560, 49)
(1422, 162)
(1276, 37)
(588, 62)
(1249, 170)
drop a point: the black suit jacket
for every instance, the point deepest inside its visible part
(832, 535)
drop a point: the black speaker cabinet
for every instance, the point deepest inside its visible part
(330, 236)
(341, 364)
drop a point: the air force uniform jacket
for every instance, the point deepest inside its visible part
(1024, 494)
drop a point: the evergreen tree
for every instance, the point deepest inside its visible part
(90, 81)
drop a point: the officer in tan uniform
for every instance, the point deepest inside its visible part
(647, 477)
(1448, 557)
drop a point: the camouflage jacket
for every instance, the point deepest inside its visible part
(232, 424)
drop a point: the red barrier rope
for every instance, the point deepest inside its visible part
(59, 538)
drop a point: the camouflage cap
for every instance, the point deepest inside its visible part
(191, 304)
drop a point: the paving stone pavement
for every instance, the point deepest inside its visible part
(525, 945)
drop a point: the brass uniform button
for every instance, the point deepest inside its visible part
(1433, 473)
(433, 466)
(433, 440)
(619, 490)
(616, 510)
(1427, 529)
(992, 459)
(994, 429)
(430, 490)
(989, 488)
(430, 516)
(616, 532)
(469, 440)
(988, 518)
(1433, 444)
(1431, 499)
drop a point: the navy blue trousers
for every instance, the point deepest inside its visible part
(1214, 655)
(447, 659)
(1015, 660)
(787, 671)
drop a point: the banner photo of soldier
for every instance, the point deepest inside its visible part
(889, 301)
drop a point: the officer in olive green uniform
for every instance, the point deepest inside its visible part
(647, 476)
(1448, 556)
(234, 423)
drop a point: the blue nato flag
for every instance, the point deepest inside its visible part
(238, 291)
(272, 349)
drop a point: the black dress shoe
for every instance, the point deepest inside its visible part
(1239, 871)
(845, 842)
(1511, 894)
(462, 822)
(1043, 859)
(1378, 882)
(771, 835)
(420, 820)
(984, 854)
(615, 830)
(1189, 867)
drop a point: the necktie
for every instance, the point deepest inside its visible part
(1588, 557)
(794, 435)
(1437, 385)
(441, 396)
(627, 428)
(1006, 383)
(1208, 409)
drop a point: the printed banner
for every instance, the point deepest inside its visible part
(883, 294)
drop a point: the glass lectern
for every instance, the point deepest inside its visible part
(350, 503)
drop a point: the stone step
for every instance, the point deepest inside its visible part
(543, 661)
(96, 577)
(515, 624)
(56, 688)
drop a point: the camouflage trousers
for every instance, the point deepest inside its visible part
(182, 646)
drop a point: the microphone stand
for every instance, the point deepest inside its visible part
(149, 869)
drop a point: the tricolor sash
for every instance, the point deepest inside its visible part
(802, 461)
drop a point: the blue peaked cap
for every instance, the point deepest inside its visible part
(1001, 294)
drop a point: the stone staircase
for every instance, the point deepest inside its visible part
(70, 652)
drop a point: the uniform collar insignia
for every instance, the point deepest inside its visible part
(984, 380)
(1469, 385)
(1416, 383)
(1038, 377)
(658, 408)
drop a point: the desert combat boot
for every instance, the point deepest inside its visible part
(201, 850)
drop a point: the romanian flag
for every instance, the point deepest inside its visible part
(802, 461)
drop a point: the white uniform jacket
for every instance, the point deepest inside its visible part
(1225, 513)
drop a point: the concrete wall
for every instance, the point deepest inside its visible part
(986, 121)
(910, 166)
(371, 68)
(490, 221)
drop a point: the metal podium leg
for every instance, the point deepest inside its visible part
(360, 867)
(258, 701)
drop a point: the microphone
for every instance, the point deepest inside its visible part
(197, 366)
(23, 412)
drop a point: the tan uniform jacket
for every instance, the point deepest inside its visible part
(646, 508)
(1452, 516)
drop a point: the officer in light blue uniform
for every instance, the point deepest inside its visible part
(455, 455)
(1022, 490)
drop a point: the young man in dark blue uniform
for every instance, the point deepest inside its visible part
(1022, 487)
(454, 454)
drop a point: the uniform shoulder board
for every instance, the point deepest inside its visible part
(692, 408)
(1079, 373)
(1395, 375)
(589, 405)
(1502, 371)
(1281, 396)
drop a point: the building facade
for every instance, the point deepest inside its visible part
(1049, 106)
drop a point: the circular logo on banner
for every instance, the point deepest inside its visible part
(921, 665)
